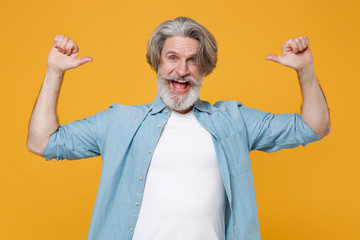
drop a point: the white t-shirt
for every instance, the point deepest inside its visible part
(184, 197)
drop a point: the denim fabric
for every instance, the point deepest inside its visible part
(126, 136)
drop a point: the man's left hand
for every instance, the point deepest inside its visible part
(296, 54)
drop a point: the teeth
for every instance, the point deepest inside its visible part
(181, 81)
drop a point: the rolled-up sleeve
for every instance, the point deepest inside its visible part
(271, 132)
(79, 139)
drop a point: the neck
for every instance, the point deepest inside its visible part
(183, 111)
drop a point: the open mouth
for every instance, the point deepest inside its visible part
(179, 86)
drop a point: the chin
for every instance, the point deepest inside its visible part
(177, 102)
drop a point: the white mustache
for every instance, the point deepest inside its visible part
(177, 77)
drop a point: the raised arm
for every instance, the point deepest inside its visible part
(63, 56)
(314, 111)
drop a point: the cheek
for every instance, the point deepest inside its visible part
(195, 73)
(166, 69)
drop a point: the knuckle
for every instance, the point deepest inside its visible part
(57, 38)
(69, 45)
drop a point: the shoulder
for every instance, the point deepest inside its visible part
(130, 109)
(121, 112)
(226, 107)
(233, 110)
(238, 109)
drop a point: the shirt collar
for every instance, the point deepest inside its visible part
(159, 105)
(202, 106)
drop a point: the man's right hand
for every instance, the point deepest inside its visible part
(64, 55)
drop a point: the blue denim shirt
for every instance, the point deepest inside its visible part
(126, 136)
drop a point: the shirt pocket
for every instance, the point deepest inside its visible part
(237, 154)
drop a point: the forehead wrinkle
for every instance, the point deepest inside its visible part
(181, 46)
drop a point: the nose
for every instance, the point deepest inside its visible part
(182, 68)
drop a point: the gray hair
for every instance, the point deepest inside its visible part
(185, 27)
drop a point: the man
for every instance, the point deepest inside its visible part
(193, 157)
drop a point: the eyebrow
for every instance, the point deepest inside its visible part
(176, 53)
(171, 52)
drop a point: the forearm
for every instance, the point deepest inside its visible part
(314, 109)
(44, 119)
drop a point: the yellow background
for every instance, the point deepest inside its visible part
(305, 193)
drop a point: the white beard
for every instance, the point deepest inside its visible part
(178, 102)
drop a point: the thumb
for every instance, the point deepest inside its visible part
(275, 58)
(83, 60)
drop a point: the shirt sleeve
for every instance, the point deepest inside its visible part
(271, 132)
(79, 139)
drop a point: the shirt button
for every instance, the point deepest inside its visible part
(159, 126)
(166, 111)
(149, 151)
(130, 228)
(137, 203)
(141, 178)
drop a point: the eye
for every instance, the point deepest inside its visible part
(172, 58)
(192, 60)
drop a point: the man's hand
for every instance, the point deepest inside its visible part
(296, 54)
(314, 111)
(64, 55)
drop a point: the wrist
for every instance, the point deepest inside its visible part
(54, 72)
(306, 70)
(307, 77)
(54, 76)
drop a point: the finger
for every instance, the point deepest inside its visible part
(62, 44)
(275, 58)
(57, 39)
(83, 60)
(71, 47)
(300, 44)
(293, 45)
(307, 40)
(289, 46)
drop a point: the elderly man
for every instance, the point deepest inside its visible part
(179, 167)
